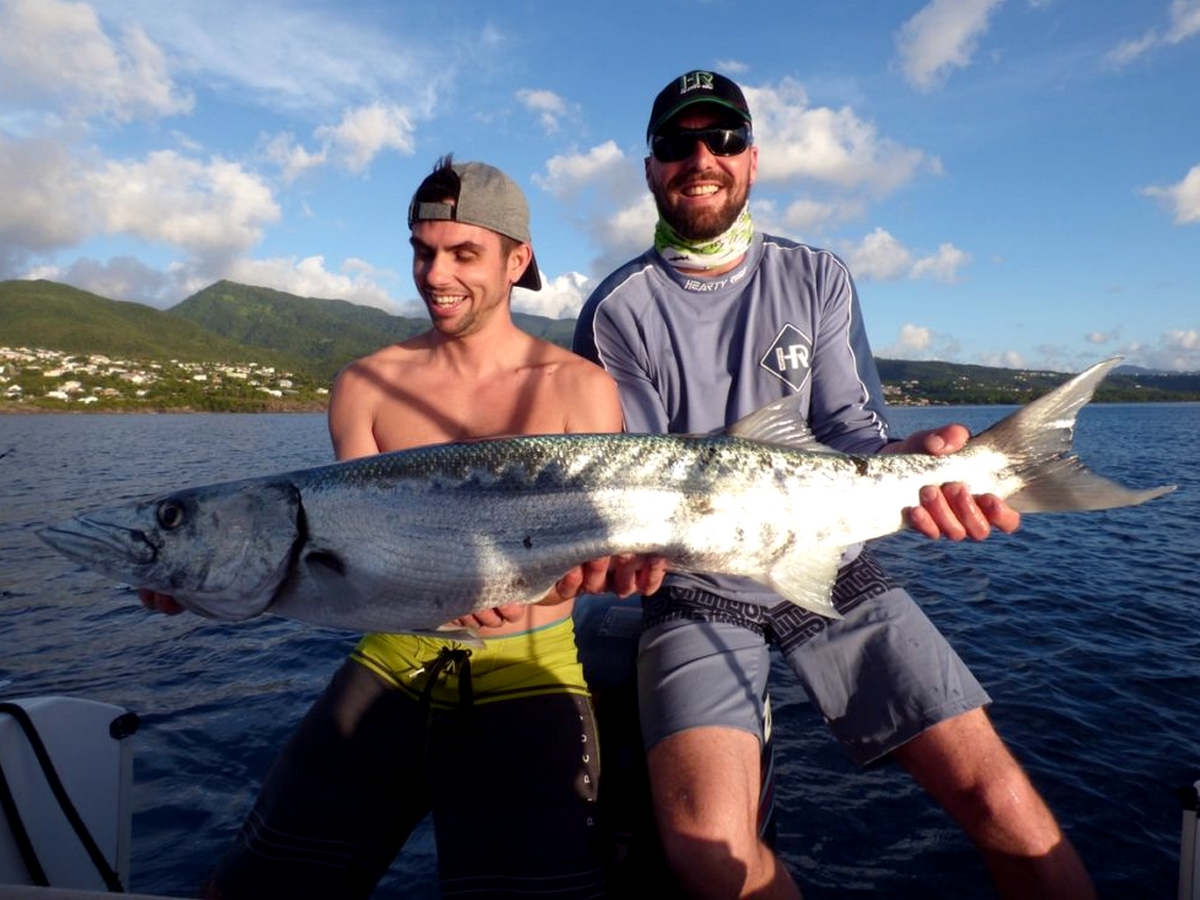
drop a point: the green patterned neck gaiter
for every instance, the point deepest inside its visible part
(720, 251)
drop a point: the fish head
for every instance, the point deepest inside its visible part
(222, 551)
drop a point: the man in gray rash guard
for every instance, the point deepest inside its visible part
(713, 322)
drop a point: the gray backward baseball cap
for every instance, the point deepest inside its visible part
(490, 199)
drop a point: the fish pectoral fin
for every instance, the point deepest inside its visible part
(807, 578)
(329, 572)
(322, 562)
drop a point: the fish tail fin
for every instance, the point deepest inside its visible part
(1037, 440)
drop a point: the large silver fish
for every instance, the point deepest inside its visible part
(406, 541)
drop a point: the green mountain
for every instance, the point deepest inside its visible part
(59, 317)
(318, 336)
(926, 381)
(556, 331)
(225, 321)
(229, 322)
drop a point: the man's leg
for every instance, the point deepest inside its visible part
(963, 764)
(515, 788)
(705, 784)
(339, 801)
(887, 681)
(703, 664)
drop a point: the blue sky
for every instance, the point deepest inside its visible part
(1013, 182)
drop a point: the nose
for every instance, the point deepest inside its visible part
(434, 268)
(700, 152)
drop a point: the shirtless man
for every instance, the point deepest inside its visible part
(408, 722)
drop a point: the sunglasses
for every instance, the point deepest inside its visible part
(676, 146)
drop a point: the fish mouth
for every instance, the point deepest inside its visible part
(97, 543)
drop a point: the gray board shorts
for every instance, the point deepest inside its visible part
(879, 676)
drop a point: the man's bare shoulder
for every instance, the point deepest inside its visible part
(582, 391)
(411, 353)
(558, 360)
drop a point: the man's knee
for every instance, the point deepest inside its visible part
(705, 783)
(965, 766)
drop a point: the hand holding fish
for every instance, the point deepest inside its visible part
(163, 603)
(950, 510)
(623, 575)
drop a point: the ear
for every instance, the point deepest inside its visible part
(753, 162)
(518, 262)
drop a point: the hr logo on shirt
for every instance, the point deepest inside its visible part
(788, 356)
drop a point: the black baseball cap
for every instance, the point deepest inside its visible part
(695, 87)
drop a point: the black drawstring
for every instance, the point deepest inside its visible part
(452, 661)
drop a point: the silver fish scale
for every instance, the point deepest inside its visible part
(568, 460)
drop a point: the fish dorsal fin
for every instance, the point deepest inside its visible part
(779, 423)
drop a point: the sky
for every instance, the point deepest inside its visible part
(1012, 182)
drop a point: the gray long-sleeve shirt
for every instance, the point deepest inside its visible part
(693, 355)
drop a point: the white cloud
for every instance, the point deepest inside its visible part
(1182, 199)
(732, 67)
(205, 208)
(127, 278)
(921, 342)
(56, 55)
(365, 132)
(559, 298)
(881, 257)
(1183, 340)
(121, 278)
(940, 37)
(1184, 23)
(292, 159)
(568, 174)
(942, 266)
(915, 338)
(1185, 20)
(286, 56)
(1009, 359)
(1175, 351)
(358, 282)
(621, 218)
(42, 208)
(803, 215)
(832, 147)
(625, 233)
(1127, 51)
(361, 135)
(548, 106)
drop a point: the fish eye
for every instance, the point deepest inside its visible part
(171, 514)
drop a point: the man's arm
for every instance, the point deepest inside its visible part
(351, 415)
(950, 510)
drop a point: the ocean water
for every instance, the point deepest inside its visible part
(1084, 627)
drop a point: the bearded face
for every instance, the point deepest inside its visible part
(676, 202)
(702, 195)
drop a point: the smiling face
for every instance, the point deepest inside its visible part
(702, 195)
(464, 272)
